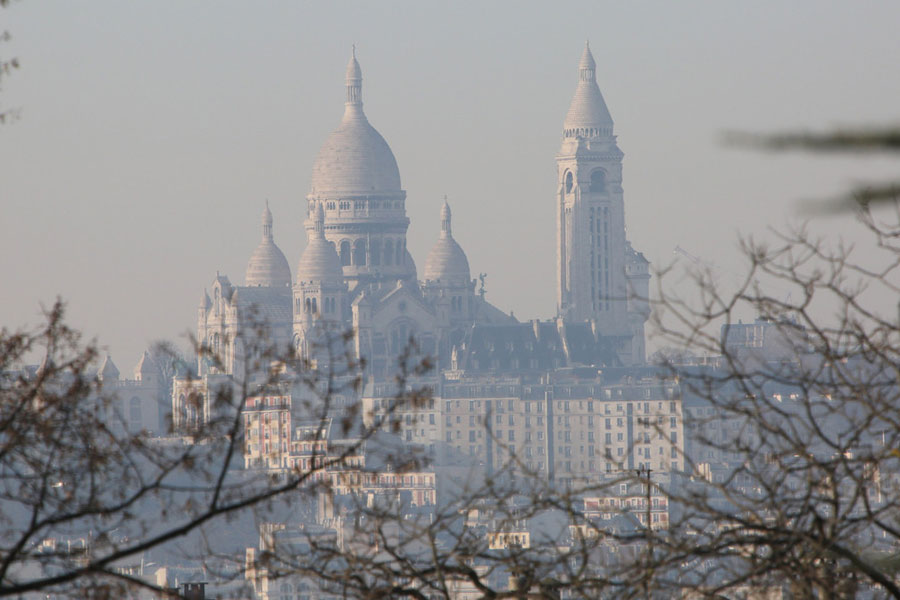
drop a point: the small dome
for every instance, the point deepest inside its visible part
(355, 158)
(447, 262)
(320, 261)
(267, 266)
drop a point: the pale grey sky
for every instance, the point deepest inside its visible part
(151, 134)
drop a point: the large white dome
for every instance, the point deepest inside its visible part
(355, 159)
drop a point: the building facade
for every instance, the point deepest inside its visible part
(563, 426)
(356, 274)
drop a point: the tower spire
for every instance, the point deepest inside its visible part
(588, 116)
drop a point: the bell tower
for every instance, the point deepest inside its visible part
(592, 249)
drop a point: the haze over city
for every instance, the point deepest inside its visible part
(150, 136)
(581, 300)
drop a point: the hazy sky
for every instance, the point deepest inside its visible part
(152, 133)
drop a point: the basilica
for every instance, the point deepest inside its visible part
(357, 275)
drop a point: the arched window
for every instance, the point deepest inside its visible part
(375, 252)
(306, 306)
(345, 253)
(570, 182)
(359, 253)
(216, 343)
(315, 309)
(388, 252)
(598, 181)
(400, 255)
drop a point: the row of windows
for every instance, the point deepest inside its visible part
(389, 404)
(367, 204)
(565, 406)
(359, 253)
(587, 131)
(419, 418)
(311, 305)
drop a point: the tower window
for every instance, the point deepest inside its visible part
(345, 253)
(570, 182)
(375, 252)
(388, 253)
(598, 181)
